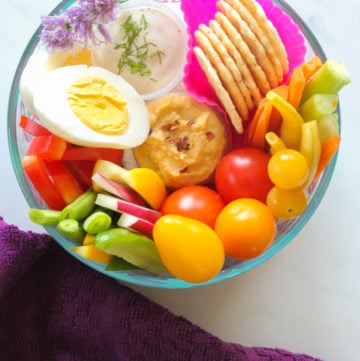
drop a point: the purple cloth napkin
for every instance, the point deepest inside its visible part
(52, 307)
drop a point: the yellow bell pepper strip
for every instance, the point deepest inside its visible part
(92, 253)
(274, 142)
(329, 79)
(311, 148)
(89, 239)
(35, 169)
(318, 106)
(291, 124)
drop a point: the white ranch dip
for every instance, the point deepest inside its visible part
(162, 37)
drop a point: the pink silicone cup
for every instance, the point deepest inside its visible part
(202, 11)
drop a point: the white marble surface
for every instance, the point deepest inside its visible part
(305, 299)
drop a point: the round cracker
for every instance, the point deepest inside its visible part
(260, 34)
(219, 89)
(229, 63)
(239, 61)
(259, 14)
(249, 58)
(252, 41)
(224, 73)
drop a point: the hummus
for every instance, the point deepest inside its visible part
(186, 141)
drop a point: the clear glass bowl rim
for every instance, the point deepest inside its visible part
(146, 279)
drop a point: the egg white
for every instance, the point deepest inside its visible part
(50, 103)
(40, 63)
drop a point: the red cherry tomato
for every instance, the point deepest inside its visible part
(242, 173)
(196, 202)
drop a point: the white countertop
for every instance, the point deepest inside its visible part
(305, 299)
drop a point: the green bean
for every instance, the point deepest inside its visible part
(81, 207)
(97, 222)
(44, 217)
(71, 228)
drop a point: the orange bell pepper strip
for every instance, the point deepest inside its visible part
(35, 169)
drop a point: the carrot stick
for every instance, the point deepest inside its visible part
(310, 67)
(254, 121)
(296, 86)
(328, 150)
(262, 126)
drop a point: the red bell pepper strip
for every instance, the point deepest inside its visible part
(66, 184)
(32, 127)
(34, 168)
(82, 170)
(91, 153)
(48, 147)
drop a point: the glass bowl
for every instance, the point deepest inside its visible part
(287, 229)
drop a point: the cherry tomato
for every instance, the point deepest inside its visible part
(243, 173)
(288, 169)
(286, 203)
(246, 227)
(189, 249)
(197, 202)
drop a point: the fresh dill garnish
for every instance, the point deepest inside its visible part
(136, 49)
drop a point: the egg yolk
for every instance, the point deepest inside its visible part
(98, 105)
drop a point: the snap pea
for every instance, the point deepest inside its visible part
(44, 217)
(71, 229)
(80, 208)
(97, 222)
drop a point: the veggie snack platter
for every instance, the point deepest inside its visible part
(174, 143)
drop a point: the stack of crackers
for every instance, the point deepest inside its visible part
(242, 55)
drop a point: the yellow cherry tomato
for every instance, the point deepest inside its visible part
(286, 203)
(288, 169)
(189, 249)
(246, 227)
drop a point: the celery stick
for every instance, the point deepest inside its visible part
(319, 105)
(328, 126)
(44, 217)
(97, 222)
(329, 79)
(71, 229)
(81, 207)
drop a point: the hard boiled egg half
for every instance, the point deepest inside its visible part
(90, 106)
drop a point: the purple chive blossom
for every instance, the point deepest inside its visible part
(57, 33)
(75, 25)
(100, 11)
(81, 25)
